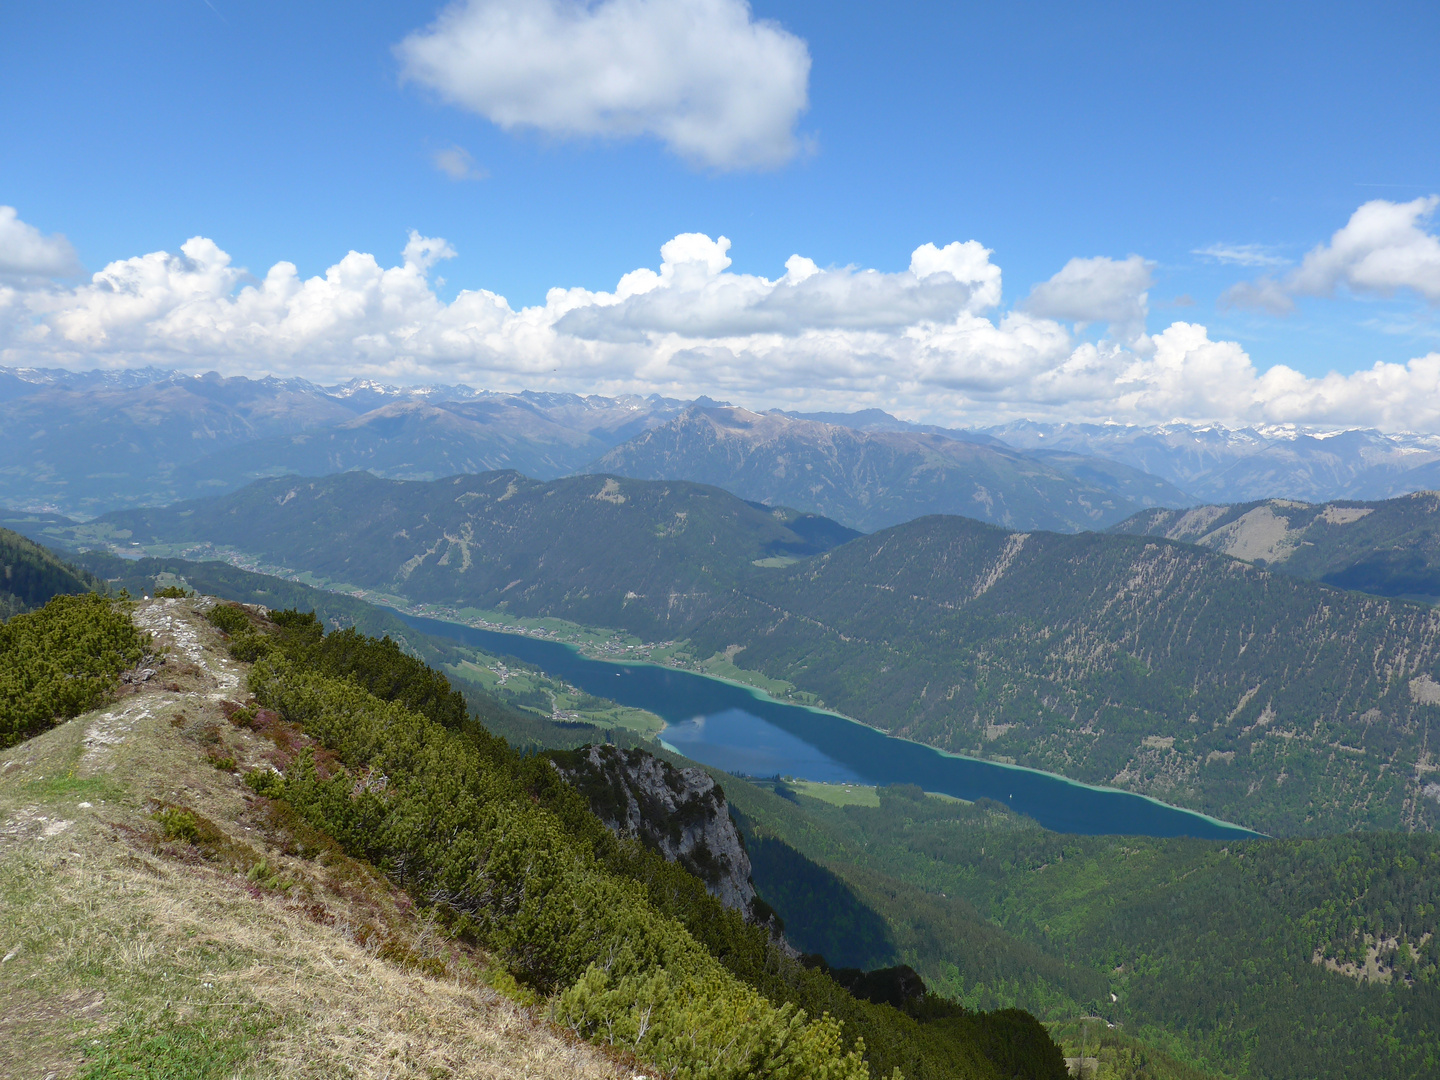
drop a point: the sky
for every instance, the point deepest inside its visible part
(959, 212)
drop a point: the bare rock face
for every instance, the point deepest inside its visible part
(681, 813)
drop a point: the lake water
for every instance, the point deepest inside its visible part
(740, 730)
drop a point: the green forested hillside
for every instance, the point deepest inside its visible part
(1232, 955)
(30, 575)
(1390, 548)
(1142, 663)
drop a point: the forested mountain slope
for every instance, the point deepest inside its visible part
(1282, 959)
(1271, 702)
(612, 552)
(1390, 548)
(31, 574)
(871, 479)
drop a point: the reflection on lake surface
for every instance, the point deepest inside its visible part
(741, 742)
(733, 728)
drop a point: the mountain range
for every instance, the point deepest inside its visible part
(85, 443)
(1277, 703)
(874, 477)
(1217, 464)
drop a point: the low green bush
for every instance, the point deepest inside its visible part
(229, 617)
(62, 660)
(177, 824)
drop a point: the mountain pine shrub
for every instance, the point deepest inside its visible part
(61, 661)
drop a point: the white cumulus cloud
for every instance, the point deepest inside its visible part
(931, 340)
(1113, 291)
(717, 86)
(694, 296)
(1383, 249)
(26, 252)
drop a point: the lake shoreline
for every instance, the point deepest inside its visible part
(761, 696)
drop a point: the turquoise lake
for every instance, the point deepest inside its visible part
(742, 731)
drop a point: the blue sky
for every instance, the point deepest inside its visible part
(1044, 131)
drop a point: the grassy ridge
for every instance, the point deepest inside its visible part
(243, 947)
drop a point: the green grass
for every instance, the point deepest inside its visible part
(216, 1041)
(852, 794)
(721, 666)
(69, 786)
(837, 794)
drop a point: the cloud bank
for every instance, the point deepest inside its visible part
(932, 340)
(716, 86)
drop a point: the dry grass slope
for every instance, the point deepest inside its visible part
(157, 920)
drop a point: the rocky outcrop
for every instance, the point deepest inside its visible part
(681, 813)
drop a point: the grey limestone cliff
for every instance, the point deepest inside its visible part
(681, 813)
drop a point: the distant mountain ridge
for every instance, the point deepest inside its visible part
(1218, 464)
(88, 442)
(611, 551)
(83, 443)
(874, 476)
